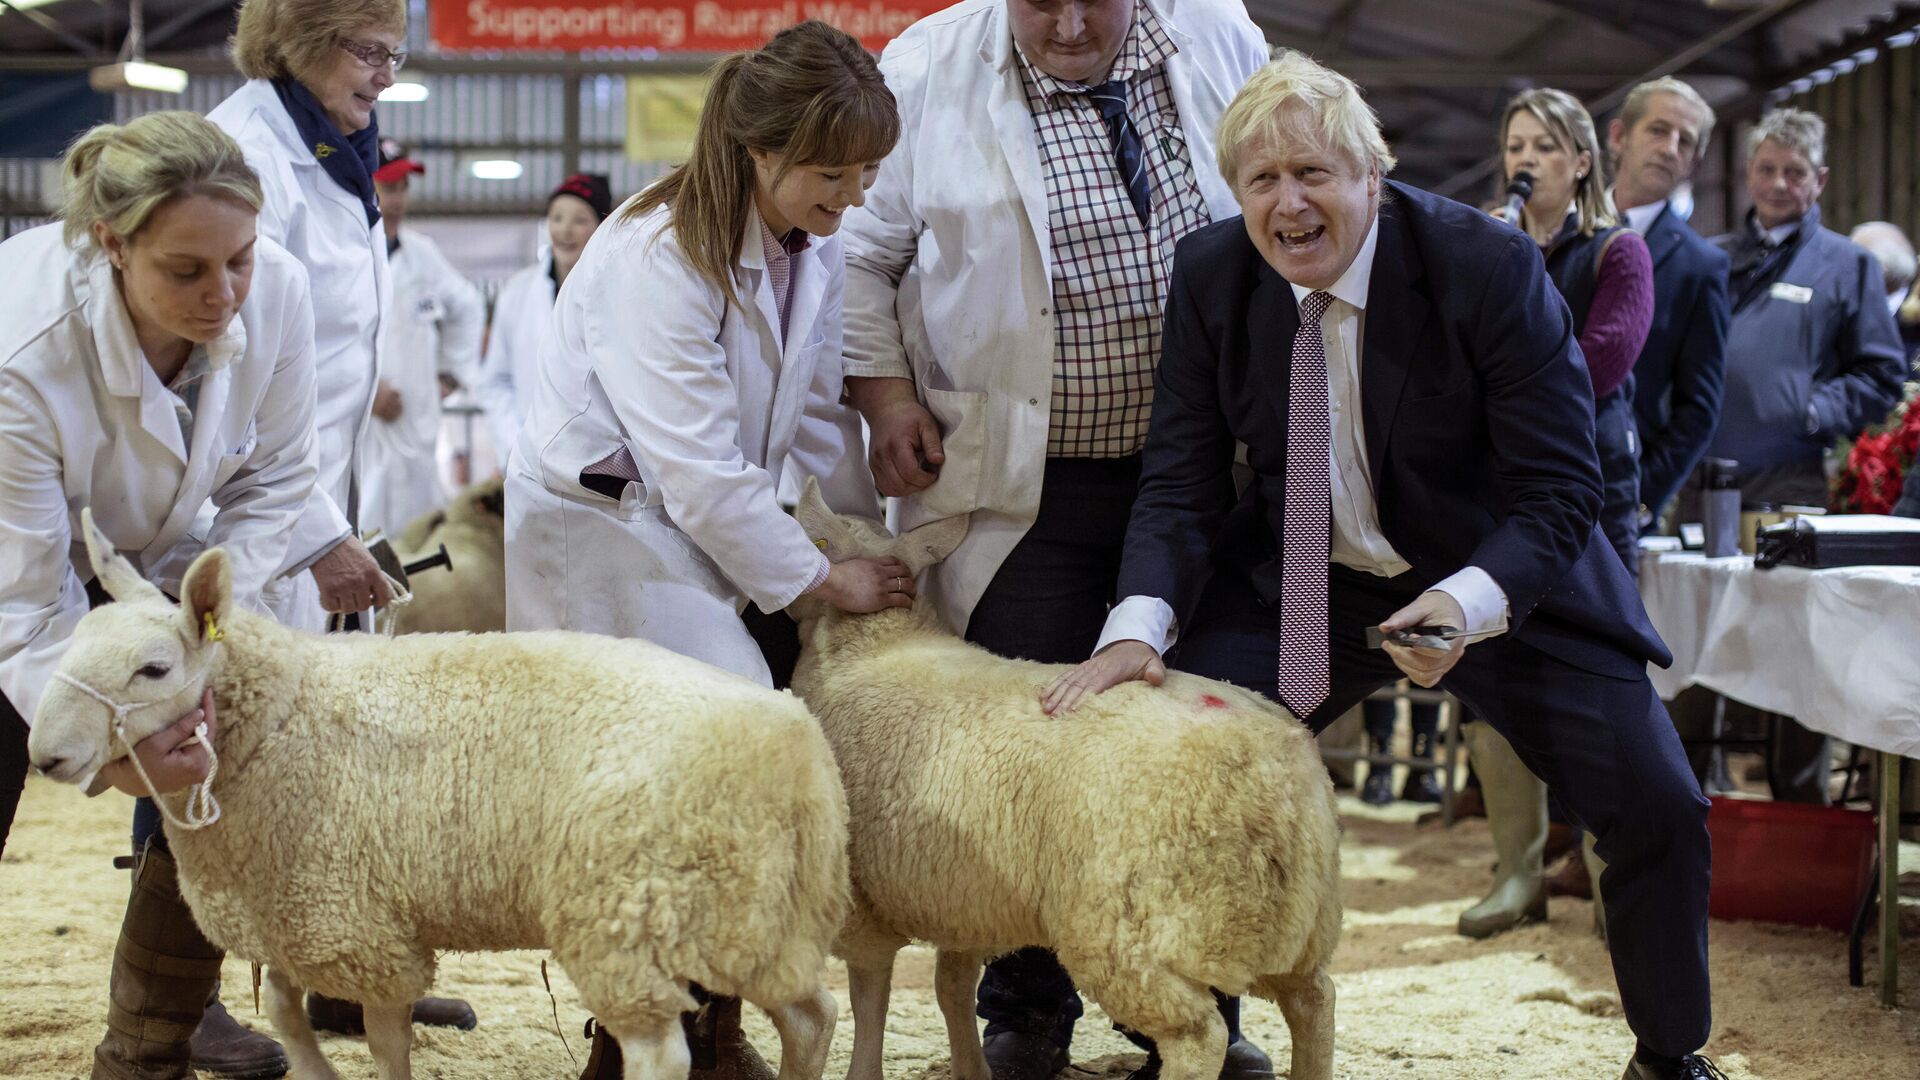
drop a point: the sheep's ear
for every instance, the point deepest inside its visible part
(932, 542)
(206, 595)
(822, 524)
(116, 574)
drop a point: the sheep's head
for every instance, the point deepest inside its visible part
(843, 536)
(145, 655)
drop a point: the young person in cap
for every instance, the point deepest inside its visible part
(525, 306)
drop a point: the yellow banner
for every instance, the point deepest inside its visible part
(663, 112)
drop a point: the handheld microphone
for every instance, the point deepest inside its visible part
(1519, 190)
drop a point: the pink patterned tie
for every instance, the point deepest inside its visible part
(1307, 530)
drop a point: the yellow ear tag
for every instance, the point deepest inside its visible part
(214, 633)
(821, 544)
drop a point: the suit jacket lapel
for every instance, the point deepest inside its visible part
(1663, 236)
(1396, 314)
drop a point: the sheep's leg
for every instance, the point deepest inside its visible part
(660, 1054)
(806, 1034)
(1179, 1015)
(390, 1039)
(956, 976)
(286, 1008)
(1307, 1003)
(869, 983)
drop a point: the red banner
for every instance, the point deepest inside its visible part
(667, 25)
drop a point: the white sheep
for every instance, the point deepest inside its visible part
(649, 819)
(1160, 840)
(472, 595)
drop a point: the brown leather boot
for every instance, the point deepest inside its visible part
(344, 1017)
(719, 1049)
(165, 975)
(603, 1055)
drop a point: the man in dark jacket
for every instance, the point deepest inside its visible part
(1660, 134)
(1418, 420)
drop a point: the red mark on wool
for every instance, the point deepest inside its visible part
(1212, 702)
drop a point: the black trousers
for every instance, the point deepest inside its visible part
(1603, 745)
(1048, 602)
(13, 765)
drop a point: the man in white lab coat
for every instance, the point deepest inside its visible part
(432, 344)
(1005, 284)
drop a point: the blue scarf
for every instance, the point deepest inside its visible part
(349, 159)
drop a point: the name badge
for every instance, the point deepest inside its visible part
(1792, 294)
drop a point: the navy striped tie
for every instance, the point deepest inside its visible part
(1128, 155)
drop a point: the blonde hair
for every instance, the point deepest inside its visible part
(298, 38)
(1635, 107)
(1568, 122)
(1341, 122)
(812, 95)
(121, 173)
(1797, 130)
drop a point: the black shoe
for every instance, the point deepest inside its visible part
(1422, 785)
(1018, 1055)
(346, 1018)
(1378, 789)
(1244, 1061)
(1691, 1067)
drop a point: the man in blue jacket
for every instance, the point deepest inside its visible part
(1419, 424)
(1813, 355)
(1812, 358)
(1660, 134)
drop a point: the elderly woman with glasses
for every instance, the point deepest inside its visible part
(305, 120)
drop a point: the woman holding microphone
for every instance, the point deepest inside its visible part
(1605, 274)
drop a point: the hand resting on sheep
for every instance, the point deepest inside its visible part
(1161, 840)
(649, 819)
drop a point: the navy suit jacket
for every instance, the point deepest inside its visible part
(1478, 414)
(1682, 370)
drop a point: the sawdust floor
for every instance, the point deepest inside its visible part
(1415, 1000)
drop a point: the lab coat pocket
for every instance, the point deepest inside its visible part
(964, 437)
(230, 463)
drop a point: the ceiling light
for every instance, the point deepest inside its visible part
(405, 91)
(496, 169)
(137, 75)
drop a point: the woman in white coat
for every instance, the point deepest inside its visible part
(154, 356)
(305, 121)
(694, 357)
(525, 306)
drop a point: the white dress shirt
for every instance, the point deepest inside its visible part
(1640, 218)
(1357, 541)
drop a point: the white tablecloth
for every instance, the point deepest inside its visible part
(1838, 650)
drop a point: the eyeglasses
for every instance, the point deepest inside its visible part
(375, 56)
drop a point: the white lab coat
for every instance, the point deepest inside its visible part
(948, 265)
(325, 227)
(85, 422)
(520, 316)
(435, 328)
(645, 352)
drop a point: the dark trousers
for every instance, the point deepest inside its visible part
(1048, 602)
(1603, 745)
(13, 765)
(1379, 719)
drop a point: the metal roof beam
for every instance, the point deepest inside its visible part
(66, 37)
